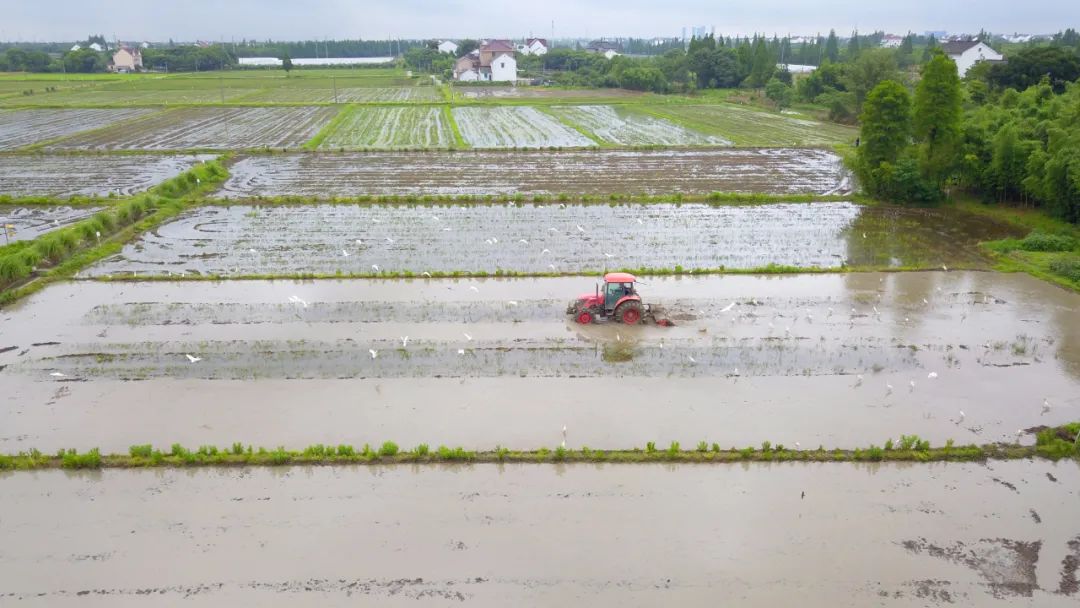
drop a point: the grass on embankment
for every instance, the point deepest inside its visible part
(1051, 443)
(1051, 251)
(30, 265)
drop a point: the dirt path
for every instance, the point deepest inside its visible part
(633, 535)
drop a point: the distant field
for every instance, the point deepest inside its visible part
(344, 95)
(124, 97)
(623, 126)
(515, 127)
(540, 93)
(20, 128)
(748, 127)
(210, 128)
(396, 127)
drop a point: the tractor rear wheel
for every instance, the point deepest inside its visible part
(584, 317)
(629, 313)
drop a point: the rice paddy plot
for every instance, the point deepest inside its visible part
(365, 239)
(125, 97)
(392, 127)
(209, 128)
(29, 223)
(344, 94)
(495, 93)
(749, 127)
(623, 126)
(515, 127)
(19, 128)
(576, 172)
(65, 176)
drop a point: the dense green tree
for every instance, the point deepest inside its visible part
(832, 47)
(937, 117)
(85, 61)
(853, 47)
(870, 68)
(779, 92)
(885, 133)
(763, 64)
(1028, 66)
(286, 63)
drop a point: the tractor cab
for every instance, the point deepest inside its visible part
(617, 299)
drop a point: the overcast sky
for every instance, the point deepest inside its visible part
(62, 20)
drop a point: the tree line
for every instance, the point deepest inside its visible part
(1006, 132)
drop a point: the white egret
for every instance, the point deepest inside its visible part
(374, 353)
(58, 375)
(375, 267)
(545, 251)
(580, 229)
(728, 307)
(513, 302)
(427, 274)
(692, 360)
(911, 385)
(931, 375)
(858, 380)
(461, 351)
(193, 359)
(523, 241)
(640, 221)
(375, 220)
(564, 436)
(404, 341)
(608, 255)
(945, 268)
(359, 242)
(344, 253)
(474, 288)
(467, 336)
(888, 388)
(1046, 406)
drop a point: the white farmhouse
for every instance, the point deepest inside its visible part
(96, 47)
(967, 53)
(533, 46)
(448, 46)
(126, 59)
(493, 62)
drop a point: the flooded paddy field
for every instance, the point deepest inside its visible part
(489, 92)
(20, 128)
(32, 222)
(208, 127)
(829, 360)
(1002, 533)
(623, 126)
(66, 176)
(344, 94)
(358, 239)
(515, 127)
(127, 96)
(771, 171)
(392, 127)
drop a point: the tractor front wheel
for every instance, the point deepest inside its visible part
(584, 317)
(629, 313)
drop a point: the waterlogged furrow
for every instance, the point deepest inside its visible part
(209, 127)
(20, 128)
(662, 172)
(365, 239)
(515, 127)
(349, 358)
(397, 127)
(89, 175)
(31, 222)
(625, 127)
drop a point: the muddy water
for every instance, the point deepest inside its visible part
(65, 176)
(537, 535)
(584, 172)
(496, 362)
(32, 222)
(352, 239)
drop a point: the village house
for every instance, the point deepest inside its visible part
(603, 47)
(448, 46)
(493, 62)
(533, 46)
(967, 53)
(891, 41)
(126, 59)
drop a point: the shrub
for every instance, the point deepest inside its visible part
(388, 449)
(237, 449)
(702, 446)
(875, 453)
(421, 450)
(279, 456)
(73, 460)
(346, 450)
(673, 449)
(766, 446)
(1067, 266)
(560, 454)
(141, 451)
(650, 447)
(178, 450)
(1039, 241)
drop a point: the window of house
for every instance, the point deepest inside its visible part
(502, 64)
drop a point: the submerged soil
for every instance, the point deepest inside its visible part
(766, 170)
(818, 359)
(67, 176)
(32, 222)
(489, 535)
(358, 239)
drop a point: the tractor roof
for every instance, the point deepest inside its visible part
(619, 277)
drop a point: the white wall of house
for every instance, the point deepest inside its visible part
(536, 48)
(977, 53)
(448, 46)
(469, 75)
(503, 68)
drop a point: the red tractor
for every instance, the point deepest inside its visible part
(617, 299)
